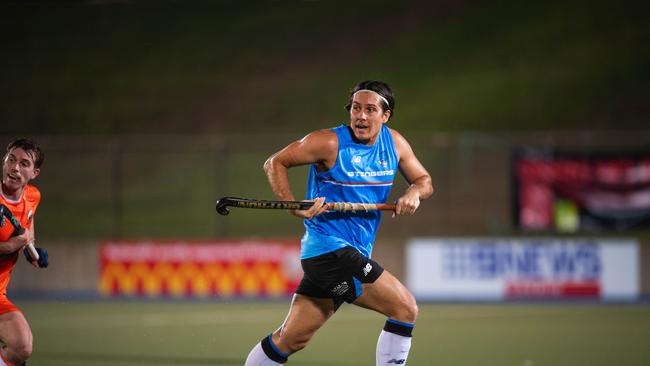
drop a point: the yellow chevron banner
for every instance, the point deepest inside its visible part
(199, 269)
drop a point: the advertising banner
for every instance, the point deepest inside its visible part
(200, 269)
(566, 192)
(501, 269)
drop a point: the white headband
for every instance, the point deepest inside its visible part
(374, 92)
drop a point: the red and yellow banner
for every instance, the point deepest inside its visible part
(200, 269)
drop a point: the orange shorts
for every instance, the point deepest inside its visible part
(7, 306)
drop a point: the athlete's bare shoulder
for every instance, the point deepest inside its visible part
(401, 145)
(324, 139)
(319, 147)
(323, 146)
(396, 135)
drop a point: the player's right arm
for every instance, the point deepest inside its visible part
(319, 147)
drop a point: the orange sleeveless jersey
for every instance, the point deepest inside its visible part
(24, 211)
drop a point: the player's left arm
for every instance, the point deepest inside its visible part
(43, 256)
(416, 175)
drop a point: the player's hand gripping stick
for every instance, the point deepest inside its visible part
(18, 230)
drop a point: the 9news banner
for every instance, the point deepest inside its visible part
(486, 269)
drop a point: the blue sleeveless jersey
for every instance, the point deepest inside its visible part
(361, 174)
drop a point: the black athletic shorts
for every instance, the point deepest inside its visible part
(338, 275)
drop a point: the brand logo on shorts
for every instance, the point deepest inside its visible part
(30, 214)
(397, 362)
(341, 288)
(367, 269)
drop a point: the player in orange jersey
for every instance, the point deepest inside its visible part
(20, 165)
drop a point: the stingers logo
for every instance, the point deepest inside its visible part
(381, 173)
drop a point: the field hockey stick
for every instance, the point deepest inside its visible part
(225, 202)
(18, 229)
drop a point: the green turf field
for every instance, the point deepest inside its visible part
(129, 333)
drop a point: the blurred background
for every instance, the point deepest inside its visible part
(531, 117)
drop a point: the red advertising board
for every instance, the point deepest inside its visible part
(199, 269)
(566, 192)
